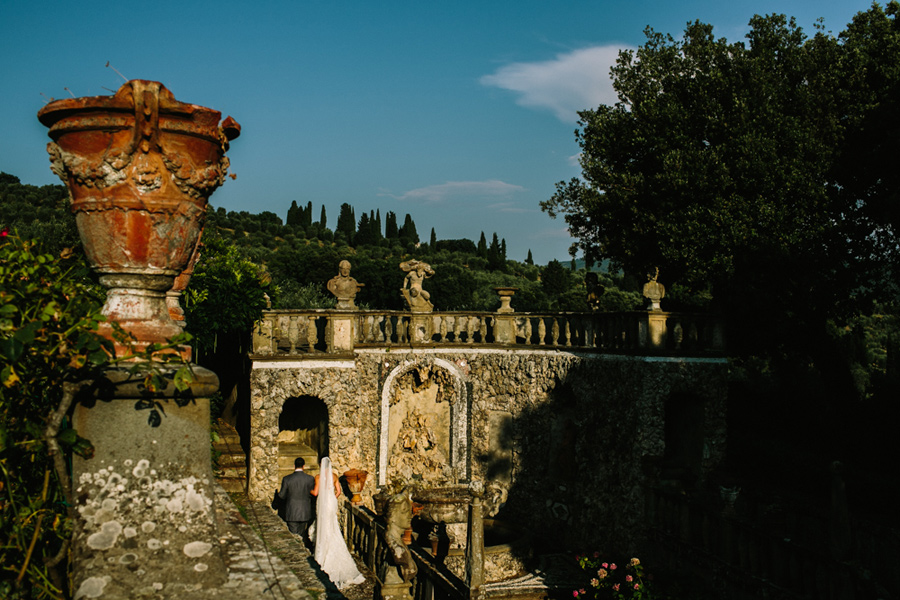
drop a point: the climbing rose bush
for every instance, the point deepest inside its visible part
(613, 580)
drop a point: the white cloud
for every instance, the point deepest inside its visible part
(570, 82)
(508, 207)
(454, 190)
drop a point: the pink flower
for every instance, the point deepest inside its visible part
(604, 565)
(628, 578)
(595, 582)
(602, 573)
(596, 555)
(574, 593)
(612, 567)
(616, 587)
(637, 586)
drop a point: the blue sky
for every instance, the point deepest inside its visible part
(459, 113)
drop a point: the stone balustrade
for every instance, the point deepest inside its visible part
(297, 333)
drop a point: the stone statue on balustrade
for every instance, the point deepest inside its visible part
(654, 290)
(416, 298)
(344, 287)
(399, 568)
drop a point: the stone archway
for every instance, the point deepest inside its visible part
(684, 438)
(424, 423)
(302, 431)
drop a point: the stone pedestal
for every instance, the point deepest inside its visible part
(421, 327)
(341, 333)
(144, 503)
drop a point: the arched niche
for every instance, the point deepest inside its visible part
(302, 431)
(424, 423)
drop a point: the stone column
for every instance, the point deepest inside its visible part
(475, 542)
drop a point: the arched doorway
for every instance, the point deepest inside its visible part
(684, 435)
(302, 431)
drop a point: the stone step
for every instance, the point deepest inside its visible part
(232, 460)
(233, 484)
(235, 471)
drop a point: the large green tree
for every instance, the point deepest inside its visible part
(719, 164)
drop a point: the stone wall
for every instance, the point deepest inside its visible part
(571, 436)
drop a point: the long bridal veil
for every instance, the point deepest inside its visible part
(331, 550)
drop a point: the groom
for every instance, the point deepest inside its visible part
(295, 491)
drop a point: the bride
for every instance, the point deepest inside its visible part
(331, 550)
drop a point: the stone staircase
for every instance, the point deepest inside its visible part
(231, 465)
(288, 451)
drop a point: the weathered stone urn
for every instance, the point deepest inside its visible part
(140, 167)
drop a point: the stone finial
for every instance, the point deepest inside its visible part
(654, 290)
(344, 287)
(416, 298)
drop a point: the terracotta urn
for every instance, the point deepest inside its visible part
(356, 480)
(140, 167)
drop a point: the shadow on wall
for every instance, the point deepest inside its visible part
(577, 464)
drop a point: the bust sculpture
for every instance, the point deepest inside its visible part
(344, 287)
(654, 290)
(416, 298)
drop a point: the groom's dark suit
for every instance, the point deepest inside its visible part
(295, 491)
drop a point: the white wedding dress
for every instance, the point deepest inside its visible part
(331, 550)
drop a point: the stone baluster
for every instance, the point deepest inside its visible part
(568, 332)
(311, 333)
(293, 333)
(456, 326)
(483, 329)
(554, 333)
(442, 330)
(528, 330)
(542, 331)
(389, 329)
(470, 330)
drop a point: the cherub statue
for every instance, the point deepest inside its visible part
(654, 290)
(416, 298)
(401, 566)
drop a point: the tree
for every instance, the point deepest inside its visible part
(529, 260)
(494, 256)
(716, 165)
(408, 234)
(432, 241)
(346, 223)
(390, 226)
(323, 219)
(482, 246)
(293, 215)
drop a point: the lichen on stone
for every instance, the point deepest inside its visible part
(196, 549)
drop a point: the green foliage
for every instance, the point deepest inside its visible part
(726, 166)
(49, 348)
(226, 295)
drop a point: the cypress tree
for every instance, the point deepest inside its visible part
(390, 226)
(482, 246)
